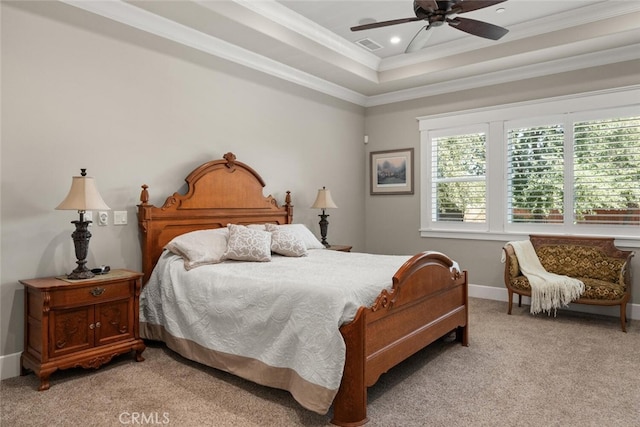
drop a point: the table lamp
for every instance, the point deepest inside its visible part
(83, 196)
(324, 201)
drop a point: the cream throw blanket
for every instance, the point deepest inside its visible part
(548, 290)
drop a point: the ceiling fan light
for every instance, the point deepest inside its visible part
(436, 14)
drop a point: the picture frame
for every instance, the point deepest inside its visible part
(391, 171)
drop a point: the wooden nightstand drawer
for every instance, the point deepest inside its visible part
(96, 293)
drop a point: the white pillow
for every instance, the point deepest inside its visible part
(301, 231)
(286, 243)
(248, 244)
(200, 247)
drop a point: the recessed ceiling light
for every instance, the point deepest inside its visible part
(395, 40)
(500, 10)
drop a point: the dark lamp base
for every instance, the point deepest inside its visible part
(81, 243)
(324, 227)
(80, 275)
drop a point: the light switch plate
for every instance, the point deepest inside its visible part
(120, 217)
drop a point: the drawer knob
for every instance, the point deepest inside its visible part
(96, 292)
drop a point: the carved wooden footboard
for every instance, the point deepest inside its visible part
(428, 298)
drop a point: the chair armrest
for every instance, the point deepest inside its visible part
(625, 273)
(511, 266)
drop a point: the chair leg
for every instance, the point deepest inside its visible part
(510, 293)
(519, 300)
(623, 316)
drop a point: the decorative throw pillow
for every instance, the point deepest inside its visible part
(286, 243)
(200, 247)
(301, 231)
(248, 244)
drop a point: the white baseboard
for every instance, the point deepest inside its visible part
(10, 364)
(500, 294)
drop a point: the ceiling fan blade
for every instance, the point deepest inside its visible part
(468, 6)
(478, 28)
(428, 5)
(384, 23)
(419, 40)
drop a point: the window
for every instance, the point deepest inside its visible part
(512, 170)
(458, 177)
(535, 174)
(606, 162)
(599, 161)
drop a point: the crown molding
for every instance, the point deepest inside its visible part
(556, 22)
(539, 69)
(293, 21)
(135, 17)
(130, 15)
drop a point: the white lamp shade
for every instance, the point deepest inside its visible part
(324, 200)
(83, 196)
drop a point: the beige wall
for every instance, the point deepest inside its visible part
(82, 91)
(392, 222)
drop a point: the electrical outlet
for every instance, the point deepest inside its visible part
(120, 217)
(103, 218)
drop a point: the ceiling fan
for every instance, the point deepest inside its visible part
(436, 13)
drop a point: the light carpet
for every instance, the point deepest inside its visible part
(519, 370)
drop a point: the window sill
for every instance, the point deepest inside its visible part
(620, 241)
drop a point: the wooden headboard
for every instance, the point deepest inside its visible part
(219, 192)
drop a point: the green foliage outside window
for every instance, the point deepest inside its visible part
(606, 172)
(460, 172)
(536, 172)
(607, 165)
(605, 155)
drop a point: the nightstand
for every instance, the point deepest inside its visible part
(80, 323)
(340, 248)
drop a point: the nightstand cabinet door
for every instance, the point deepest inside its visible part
(114, 322)
(69, 332)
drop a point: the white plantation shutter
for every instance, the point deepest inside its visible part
(459, 178)
(606, 162)
(535, 171)
(598, 161)
(565, 166)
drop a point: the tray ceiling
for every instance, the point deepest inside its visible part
(309, 42)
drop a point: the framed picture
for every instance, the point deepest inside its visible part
(392, 171)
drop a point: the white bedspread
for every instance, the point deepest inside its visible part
(284, 313)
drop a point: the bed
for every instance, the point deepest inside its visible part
(407, 302)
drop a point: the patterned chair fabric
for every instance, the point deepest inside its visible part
(597, 262)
